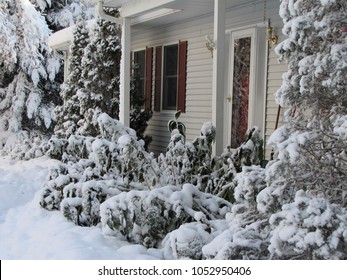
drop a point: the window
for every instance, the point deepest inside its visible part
(170, 77)
(139, 71)
(143, 75)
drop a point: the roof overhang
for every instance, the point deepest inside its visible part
(62, 39)
(132, 8)
(148, 14)
(160, 13)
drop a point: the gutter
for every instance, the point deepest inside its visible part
(101, 13)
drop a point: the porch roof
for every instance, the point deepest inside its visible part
(160, 13)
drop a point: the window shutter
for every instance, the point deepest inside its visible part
(182, 76)
(157, 85)
(148, 79)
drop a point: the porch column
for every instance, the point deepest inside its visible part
(218, 75)
(124, 95)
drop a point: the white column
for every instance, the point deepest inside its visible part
(66, 65)
(124, 96)
(218, 75)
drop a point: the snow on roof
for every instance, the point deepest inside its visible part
(62, 39)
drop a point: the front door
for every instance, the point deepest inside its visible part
(246, 93)
(241, 76)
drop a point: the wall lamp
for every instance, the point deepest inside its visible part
(271, 36)
(210, 44)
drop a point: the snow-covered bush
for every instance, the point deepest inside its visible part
(81, 202)
(242, 234)
(246, 233)
(225, 167)
(96, 168)
(23, 145)
(239, 243)
(305, 195)
(187, 241)
(191, 162)
(186, 162)
(146, 217)
(310, 150)
(309, 228)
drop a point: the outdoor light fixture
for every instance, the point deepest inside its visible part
(210, 44)
(271, 36)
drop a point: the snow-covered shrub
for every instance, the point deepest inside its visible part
(225, 167)
(50, 198)
(96, 168)
(247, 185)
(23, 145)
(239, 243)
(242, 234)
(146, 217)
(81, 202)
(187, 241)
(246, 236)
(56, 148)
(175, 165)
(310, 150)
(186, 162)
(309, 228)
(250, 151)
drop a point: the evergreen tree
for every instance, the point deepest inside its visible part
(63, 13)
(68, 114)
(28, 70)
(101, 75)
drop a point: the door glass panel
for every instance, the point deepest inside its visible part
(240, 96)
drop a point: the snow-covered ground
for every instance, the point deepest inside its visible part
(29, 232)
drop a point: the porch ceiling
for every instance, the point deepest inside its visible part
(188, 9)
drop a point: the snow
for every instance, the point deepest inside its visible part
(29, 232)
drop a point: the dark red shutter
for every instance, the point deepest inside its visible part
(182, 76)
(157, 84)
(148, 79)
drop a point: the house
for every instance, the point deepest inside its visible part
(213, 60)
